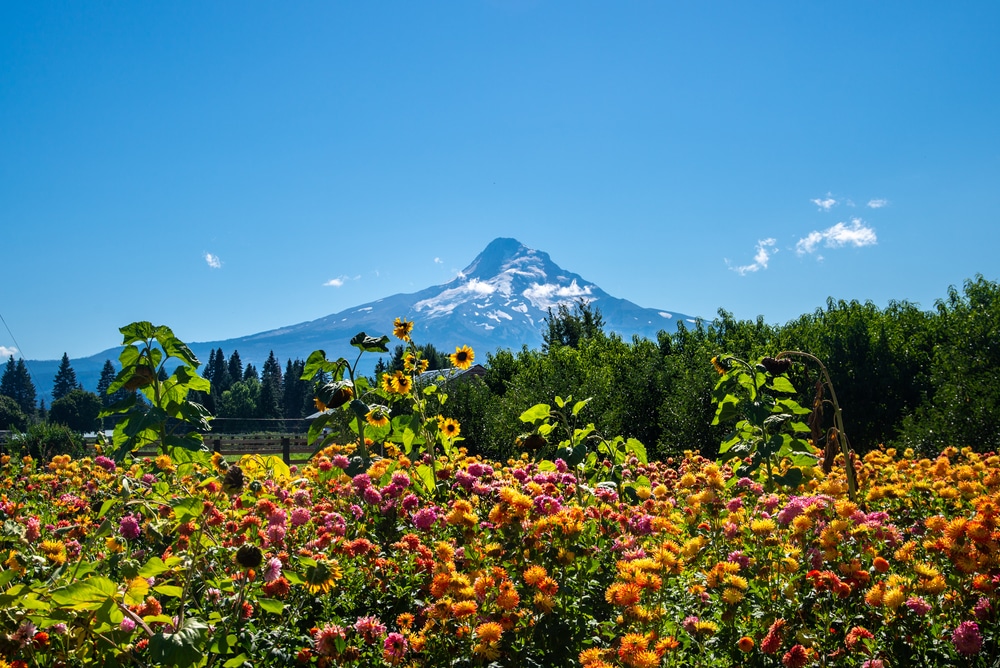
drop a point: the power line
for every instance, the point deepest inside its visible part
(18, 347)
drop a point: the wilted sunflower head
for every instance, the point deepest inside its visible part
(775, 366)
(233, 481)
(334, 394)
(249, 556)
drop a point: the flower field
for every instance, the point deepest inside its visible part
(184, 560)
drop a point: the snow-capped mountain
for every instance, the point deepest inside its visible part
(500, 300)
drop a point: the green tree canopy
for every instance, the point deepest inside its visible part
(77, 409)
(11, 415)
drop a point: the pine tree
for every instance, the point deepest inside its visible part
(217, 372)
(65, 380)
(108, 374)
(16, 384)
(251, 372)
(270, 388)
(235, 366)
(296, 392)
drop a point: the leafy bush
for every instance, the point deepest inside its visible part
(43, 441)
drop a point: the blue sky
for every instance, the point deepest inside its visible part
(226, 168)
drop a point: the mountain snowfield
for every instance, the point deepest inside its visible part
(500, 300)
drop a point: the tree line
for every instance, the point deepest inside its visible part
(907, 377)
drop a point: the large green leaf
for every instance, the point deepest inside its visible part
(187, 508)
(635, 447)
(536, 413)
(89, 594)
(370, 344)
(137, 331)
(782, 384)
(183, 648)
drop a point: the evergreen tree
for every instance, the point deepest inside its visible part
(65, 380)
(297, 399)
(217, 372)
(235, 366)
(108, 374)
(16, 384)
(251, 372)
(271, 391)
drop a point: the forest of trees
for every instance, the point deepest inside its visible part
(904, 376)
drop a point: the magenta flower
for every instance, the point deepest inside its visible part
(425, 518)
(273, 570)
(129, 527)
(370, 628)
(967, 638)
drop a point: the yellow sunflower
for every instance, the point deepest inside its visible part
(449, 427)
(320, 576)
(462, 357)
(401, 383)
(401, 329)
(378, 416)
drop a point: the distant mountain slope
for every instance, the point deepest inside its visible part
(499, 301)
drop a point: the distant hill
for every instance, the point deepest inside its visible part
(499, 301)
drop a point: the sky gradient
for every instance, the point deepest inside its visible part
(228, 168)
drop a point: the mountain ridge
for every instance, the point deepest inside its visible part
(500, 300)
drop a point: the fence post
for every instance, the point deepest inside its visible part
(216, 444)
(286, 449)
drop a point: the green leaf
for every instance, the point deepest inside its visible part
(155, 566)
(536, 413)
(635, 447)
(727, 409)
(170, 591)
(271, 605)
(578, 406)
(426, 475)
(547, 466)
(791, 478)
(89, 594)
(187, 508)
(236, 661)
(137, 331)
(370, 344)
(182, 649)
(793, 407)
(782, 384)
(318, 362)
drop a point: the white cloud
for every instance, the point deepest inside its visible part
(213, 261)
(855, 234)
(7, 352)
(438, 260)
(825, 204)
(760, 258)
(335, 282)
(877, 203)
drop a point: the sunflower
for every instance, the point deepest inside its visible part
(320, 576)
(401, 383)
(378, 416)
(401, 329)
(449, 427)
(462, 357)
